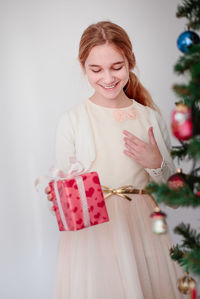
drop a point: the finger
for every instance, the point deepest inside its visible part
(47, 190)
(133, 138)
(131, 155)
(136, 146)
(49, 197)
(130, 140)
(151, 136)
(132, 147)
(130, 135)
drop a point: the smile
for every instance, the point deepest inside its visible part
(110, 87)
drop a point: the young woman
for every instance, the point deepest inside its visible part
(119, 133)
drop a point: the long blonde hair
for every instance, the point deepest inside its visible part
(108, 32)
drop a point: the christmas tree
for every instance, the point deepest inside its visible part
(184, 189)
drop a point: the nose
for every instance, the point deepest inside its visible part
(108, 77)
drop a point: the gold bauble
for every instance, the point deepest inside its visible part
(185, 284)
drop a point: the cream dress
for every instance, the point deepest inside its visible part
(122, 258)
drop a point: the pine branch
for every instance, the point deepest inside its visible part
(190, 9)
(176, 253)
(190, 63)
(193, 150)
(189, 150)
(188, 60)
(182, 197)
(195, 72)
(188, 93)
(191, 261)
(195, 171)
(191, 237)
(181, 90)
(179, 152)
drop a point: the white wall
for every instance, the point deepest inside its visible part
(40, 77)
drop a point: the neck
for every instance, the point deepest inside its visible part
(119, 102)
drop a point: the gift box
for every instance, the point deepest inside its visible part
(78, 202)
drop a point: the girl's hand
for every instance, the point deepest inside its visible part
(146, 154)
(48, 192)
(49, 196)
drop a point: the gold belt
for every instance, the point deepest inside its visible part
(124, 190)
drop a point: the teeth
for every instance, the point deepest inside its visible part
(109, 87)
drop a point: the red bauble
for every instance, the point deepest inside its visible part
(177, 180)
(181, 122)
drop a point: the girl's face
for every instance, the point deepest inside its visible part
(107, 71)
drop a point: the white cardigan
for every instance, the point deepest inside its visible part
(75, 138)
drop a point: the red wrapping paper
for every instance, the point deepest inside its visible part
(78, 202)
(193, 294)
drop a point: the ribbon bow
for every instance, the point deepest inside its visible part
(121, 115)
(122, 191)
(76, 168)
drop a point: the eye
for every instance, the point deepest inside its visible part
(95, 71)
(115, 69)
(119, 68)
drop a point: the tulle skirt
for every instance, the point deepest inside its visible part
(119, 259)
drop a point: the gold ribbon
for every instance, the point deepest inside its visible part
(122, 191)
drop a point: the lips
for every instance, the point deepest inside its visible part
(111, 87)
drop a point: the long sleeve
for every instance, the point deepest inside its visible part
(163, 140)
(65, 144)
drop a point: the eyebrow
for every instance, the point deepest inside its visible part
(96, 65)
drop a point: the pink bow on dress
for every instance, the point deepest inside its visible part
(122, 115)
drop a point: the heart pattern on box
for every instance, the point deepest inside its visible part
(70, 183)
(91, 208)
(101, 204)
(72, 204)
(89, 192)
(97, 215)
(79, 221)
(75, 210)
(96, 180)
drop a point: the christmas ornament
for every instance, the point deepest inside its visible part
(186, 284)
(186, 40)
(177, 180)
(181, 122)
(159, 223)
